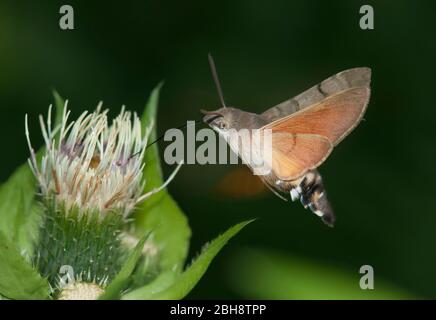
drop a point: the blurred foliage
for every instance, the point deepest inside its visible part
(380, 179)
(267, 274)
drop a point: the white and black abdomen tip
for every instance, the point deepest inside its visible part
(312, 195)
(323, 207)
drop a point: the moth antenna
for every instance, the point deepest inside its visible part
(216, 80)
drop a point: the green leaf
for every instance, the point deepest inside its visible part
(152, 170)
(18, 211)
(59, 106)
(269, 274)
(120, 281)
(183, 284)
(17, 278)
(19, 215)
(160, 214)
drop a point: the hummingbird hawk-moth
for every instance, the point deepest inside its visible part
(304, 130)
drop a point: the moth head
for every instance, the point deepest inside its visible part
(224, 119)
(220, 120)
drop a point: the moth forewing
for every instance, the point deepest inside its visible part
(294, 155)
(334, 117)
(299, 140)
(351, 78)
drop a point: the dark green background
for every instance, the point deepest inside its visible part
(380, 179)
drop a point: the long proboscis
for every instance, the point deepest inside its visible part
(162, 135)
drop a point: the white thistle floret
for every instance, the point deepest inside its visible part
(94, 165)
(81, 291)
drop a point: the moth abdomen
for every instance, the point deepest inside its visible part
(322, 205)
(313, 195)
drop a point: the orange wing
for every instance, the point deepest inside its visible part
(294, 154)
(303, 140)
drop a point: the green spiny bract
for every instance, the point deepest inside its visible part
(88, 242)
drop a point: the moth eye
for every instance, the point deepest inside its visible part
(222, 125)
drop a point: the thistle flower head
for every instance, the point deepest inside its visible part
(91, 164)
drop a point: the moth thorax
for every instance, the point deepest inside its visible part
(254, 147)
